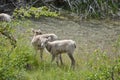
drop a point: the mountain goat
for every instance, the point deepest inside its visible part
(36, 41)
(56, 48)
(5, 17)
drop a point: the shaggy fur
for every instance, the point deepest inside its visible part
(36, 41)
(5, 17)
(58, 47)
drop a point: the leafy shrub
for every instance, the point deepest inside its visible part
(103, 67)
(94, 8)
(100, 69)
(12, 67)
(116, 66)
(117, 69)
(7, 39)
(34, 12)
(13, 63)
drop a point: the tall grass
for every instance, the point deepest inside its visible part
(22, 65)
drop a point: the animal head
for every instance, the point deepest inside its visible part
(36, 32)
(44, 41)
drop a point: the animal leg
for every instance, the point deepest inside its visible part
(72, 60)
(60, 57)
(57, 59)
(53, 57)
(41, 54)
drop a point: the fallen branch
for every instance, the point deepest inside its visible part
(10, 37)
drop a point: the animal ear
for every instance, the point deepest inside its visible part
(49, 38)
(32, 30)
(46, 40)
(39, 30)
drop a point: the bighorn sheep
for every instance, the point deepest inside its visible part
(5, 17)
(56, 48)
(51, 37)
(36, 41)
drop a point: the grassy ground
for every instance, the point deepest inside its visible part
(94, 54)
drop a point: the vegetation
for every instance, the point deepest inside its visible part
(6, 31)
(17, 61)
(82, 8)
(20, 64)
(34, 12)
(94, 8)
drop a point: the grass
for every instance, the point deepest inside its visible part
(95, 64)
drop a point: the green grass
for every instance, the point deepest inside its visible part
(90, 66)
(94, 65)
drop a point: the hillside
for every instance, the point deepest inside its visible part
(97, 53)
(89, 35)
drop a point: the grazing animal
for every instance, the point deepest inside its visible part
(36, 32)
(5, 17)
(50, 36)
(56, 48)
(36, 41)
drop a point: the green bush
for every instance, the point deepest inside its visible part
(34, 12)
(12, 67)
(13, 62)
(6, 39)
(102, 67)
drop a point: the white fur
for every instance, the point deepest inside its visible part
(58, 47)
(36, 41)
(5, 17)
